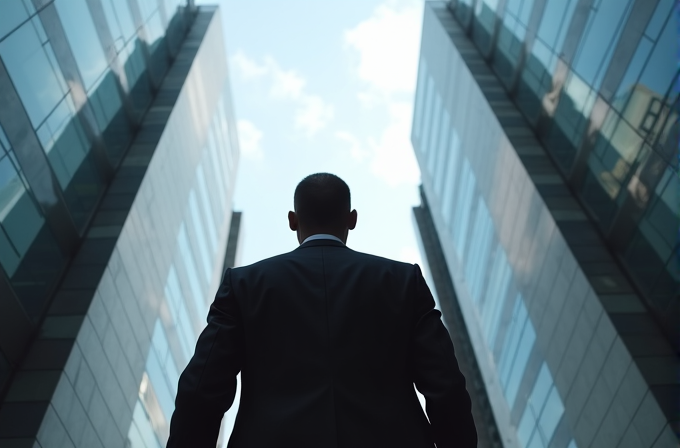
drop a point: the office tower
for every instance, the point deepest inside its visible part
(546, 133)
(117, 165)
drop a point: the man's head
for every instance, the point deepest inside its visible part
(322, 205)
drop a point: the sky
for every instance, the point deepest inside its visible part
(321, 86)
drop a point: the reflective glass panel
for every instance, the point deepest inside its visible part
(199, 232)
(450, 177)
(485, 18)
(433, 139)
(27, 245)
(82, 36)
(551, 415)
(661, 14)
(13, 13)
(188, 258)
(601, 34)
(418, 115)
(554, 18)
(38, 82)
(526, 343)
(427, 118)
(661, 69)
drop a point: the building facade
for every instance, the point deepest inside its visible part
(118, 154)
(547, 135)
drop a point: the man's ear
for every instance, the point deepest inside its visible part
(352, 221)
(293, 221)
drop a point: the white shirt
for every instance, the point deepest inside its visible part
(322, 236)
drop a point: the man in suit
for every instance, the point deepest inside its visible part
(329, 343)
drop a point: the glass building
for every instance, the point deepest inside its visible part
(118, 154)
(547, 134)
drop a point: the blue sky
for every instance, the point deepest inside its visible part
(325, 86)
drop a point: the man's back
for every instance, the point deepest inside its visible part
(329, 343)
(332, 342)
(327, 332)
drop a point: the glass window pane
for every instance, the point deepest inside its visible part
(147, 7)
(198, 230)
(13, 13)
(661, 68)
(485, 18)
(526, 427)
(420, 94)
(83, 38)
(552, 412)
(207, 208)
(602, 33)
(629, 82)
(38, 84)
(433, 140)
(188, 258)
(451, 172)
(518, 367)
(662, 13)
(427, 119)
(541, 388)
(438, 161)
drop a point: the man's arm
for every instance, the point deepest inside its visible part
(208, 384)
(437, 376)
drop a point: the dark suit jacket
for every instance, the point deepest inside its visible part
(329, 343)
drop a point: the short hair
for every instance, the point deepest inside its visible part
(321, 201)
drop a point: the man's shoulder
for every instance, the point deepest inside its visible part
(299, 253)
(382, 261)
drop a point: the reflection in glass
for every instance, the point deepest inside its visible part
(68, 151)
(661, 69)
(13, 13)
(632, 74)
(29, 254)
(20, 218)
(510, 45)
(600, 37)
(464, 11)
(83, 39)
(526, 343)
(485, 19)
(418, 114)
(189, 261)
(464, 202)
(550, 417)
(450, 178)
(207, 209)
(442, 153)
(141, 433)
(38, 82)
(199, 232)
(434, 134)
(661, 15)
(427, 119)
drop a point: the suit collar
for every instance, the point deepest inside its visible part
(323, 242)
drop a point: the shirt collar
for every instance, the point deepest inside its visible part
(322, 236)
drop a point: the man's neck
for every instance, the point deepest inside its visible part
(322, 236)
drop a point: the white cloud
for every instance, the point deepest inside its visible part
(356, 150)
(249, 140)
(388, 44)
(312, 113)
(246, 67)
(393, 159)
(285, 83)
